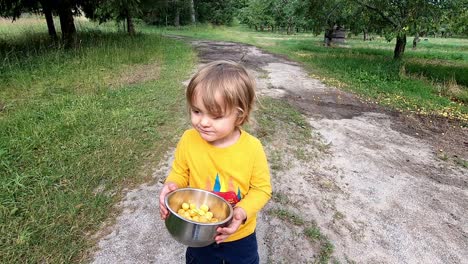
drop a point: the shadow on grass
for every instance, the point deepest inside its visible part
(439, 72)
(29, 45)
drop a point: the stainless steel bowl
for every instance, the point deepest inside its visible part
(191, 233)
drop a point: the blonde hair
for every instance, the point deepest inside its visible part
(227, 79)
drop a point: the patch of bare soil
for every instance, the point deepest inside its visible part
(133, 74)
(376, 187)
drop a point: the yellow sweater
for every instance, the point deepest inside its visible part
(239, 173)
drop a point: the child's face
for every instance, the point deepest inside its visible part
(218, 130)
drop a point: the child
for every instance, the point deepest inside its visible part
(217, 155)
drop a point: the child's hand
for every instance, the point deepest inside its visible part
(167, 188)
(239, 215)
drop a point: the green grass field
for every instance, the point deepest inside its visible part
(431, 80)
(77, 126)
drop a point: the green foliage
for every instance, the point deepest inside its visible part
(216, 12)
(14, 8)
(454, 19)
(326, 14)
(117, 10)
(256, 14)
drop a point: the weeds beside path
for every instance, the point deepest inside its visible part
(75, 128)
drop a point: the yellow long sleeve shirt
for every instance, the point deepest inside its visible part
(238, 172)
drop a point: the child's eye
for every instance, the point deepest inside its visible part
(195, 111)
(218, 117)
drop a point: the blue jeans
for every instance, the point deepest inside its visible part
(243, 251)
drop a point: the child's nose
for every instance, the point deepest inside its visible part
(205, 121)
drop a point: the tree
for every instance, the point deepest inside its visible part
(363, 22)
(218, 12)
(455, 17)
(47, 9)
(118, 10)
(67, 23)
(284, 14)
(177, 13)
(398, 17)
(257, 14)
(329, 15)
(192, 12)
(14, 9)
(64, 8)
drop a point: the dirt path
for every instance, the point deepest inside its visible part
(379, 193)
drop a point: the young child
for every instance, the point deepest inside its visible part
(217, 155)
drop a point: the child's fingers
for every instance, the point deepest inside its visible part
(220, 238)
(172, 186)
(225, 232)
(169, 187)
(162, 207)
(163, 211)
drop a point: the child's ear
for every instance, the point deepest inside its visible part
(239, 121)
(240, 116)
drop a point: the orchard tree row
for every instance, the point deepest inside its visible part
(389, 18)
(156, 12)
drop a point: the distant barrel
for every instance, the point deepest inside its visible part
(338, 35)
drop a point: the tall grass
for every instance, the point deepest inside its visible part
(71, 137)
(430, 80)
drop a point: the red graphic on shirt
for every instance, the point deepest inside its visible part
(230, 197)
(229, 193)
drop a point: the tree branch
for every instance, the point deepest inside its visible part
(378, 11)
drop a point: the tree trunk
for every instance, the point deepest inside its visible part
(177, 18)
(365, 35)
(328, 36)
(400, 46)
(67, 24)
(177, 14)
(49, 19)
(192, 11)
(415, 40)
(130, 25)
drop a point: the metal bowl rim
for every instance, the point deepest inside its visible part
(166, 203)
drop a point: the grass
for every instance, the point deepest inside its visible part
(71, 138)
(286, 215)
(311, 231)
(280, 197)
(275, 115)
(326, 247)
(423, 82)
